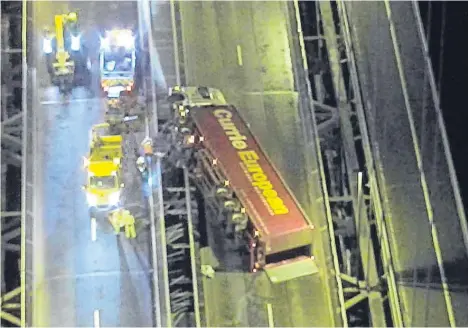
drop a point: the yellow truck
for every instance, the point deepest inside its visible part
(61, 48)
(117, 60)
(103, 165)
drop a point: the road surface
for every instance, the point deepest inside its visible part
(389, 115)
(244, 49)
(79, 281)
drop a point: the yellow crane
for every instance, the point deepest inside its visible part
(63, 67)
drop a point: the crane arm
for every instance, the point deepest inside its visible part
(62, 55)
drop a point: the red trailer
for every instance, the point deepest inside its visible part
(230, 160)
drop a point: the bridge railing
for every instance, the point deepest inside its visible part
(29, 168)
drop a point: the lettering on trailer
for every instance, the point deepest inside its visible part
(249, 162)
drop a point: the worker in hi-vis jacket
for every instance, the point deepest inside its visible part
(122, 218)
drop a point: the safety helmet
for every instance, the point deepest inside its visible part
(141, 164)
(147, 145)
(147, 141)
(48, 34)
(72, 17)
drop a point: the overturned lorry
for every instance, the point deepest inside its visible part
(226, 161)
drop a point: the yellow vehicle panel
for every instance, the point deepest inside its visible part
(115, 82)
(111, 140)
(103, 142)
(100, 128)
(102, 169)
(103, 196)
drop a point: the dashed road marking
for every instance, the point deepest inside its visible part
(96, 319)
(93, 229)
(271, 322)
(239, 55)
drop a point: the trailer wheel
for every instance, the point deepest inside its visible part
(231, 205)
(260, 260)
(222, 192)
(186, 130)
(239, 219)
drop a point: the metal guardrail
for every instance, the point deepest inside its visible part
(161, 307)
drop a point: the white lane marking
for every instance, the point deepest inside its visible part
(54, 102)
(271, 323)
(93, 229)
(96, 318)
(239, 55)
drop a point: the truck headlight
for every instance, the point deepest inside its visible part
(91, 199)
(47, 46)
(114, 198)
(75, 43)
(104, 43)
(127, 41)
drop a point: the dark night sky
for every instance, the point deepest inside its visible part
(454, 79)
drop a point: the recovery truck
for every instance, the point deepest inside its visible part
(117, 58)
(228, 165)
(103, 165)
(65, 55)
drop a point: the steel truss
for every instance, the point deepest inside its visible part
(180, 206)
(181, 216)
(367, 275)
(10, 154)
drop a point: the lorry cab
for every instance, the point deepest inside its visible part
(196, 96)
(103, 165)
(117, 59)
